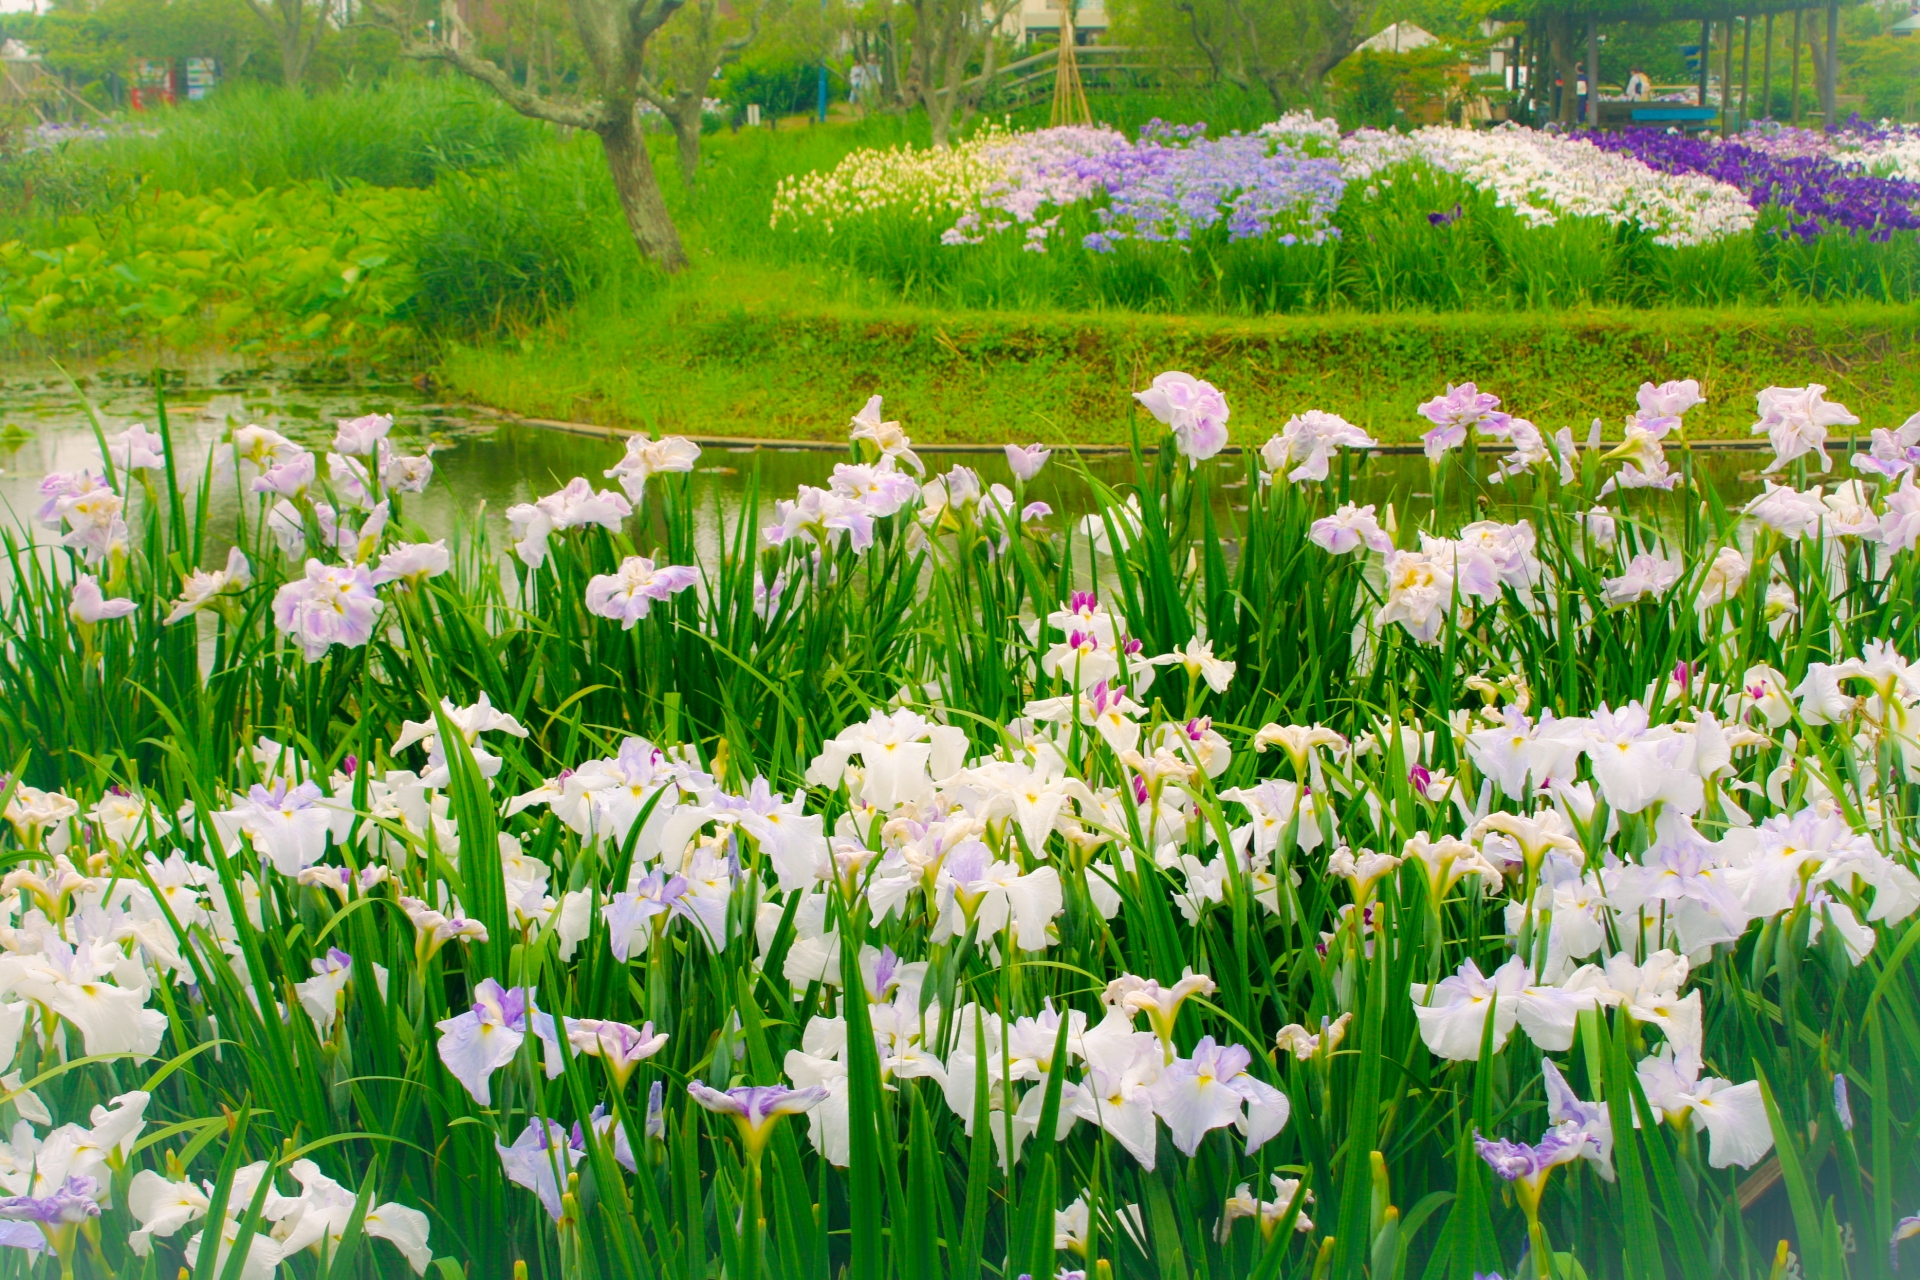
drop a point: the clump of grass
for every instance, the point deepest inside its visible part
(521, 242)
(732, 354)
(393, 133)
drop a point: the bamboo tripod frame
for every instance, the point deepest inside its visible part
(1069, 95)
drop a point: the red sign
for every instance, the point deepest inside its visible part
(152, 84)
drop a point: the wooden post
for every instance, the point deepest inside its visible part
(1746, 67)
(1706, 48)
(1726, 76)
(1830, 99)
(1797, 15)
(1593, 71)
(1537, 77)
(1766, 74)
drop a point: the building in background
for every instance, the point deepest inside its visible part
(1039, 20)
(1401, 37)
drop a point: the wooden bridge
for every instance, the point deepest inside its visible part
(1030, 79)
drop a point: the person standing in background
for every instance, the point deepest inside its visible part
(1639, 88)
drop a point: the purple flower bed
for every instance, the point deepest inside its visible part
(1176, 182)
(1817, 192)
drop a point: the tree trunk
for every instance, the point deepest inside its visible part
(940, 100)
(964, 102)
(284, 21)
(293, 60)
(932, 54)
(1830, 91)
(687, 119)
(890, 64)
(639, 190)
(1817, 50)
(1205, 45)
(1795, 114)
(1593, 71)
(1277, 87)
(1559, 50)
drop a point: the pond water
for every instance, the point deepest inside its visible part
(485, 463)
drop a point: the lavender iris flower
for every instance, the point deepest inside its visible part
(1905, 1229)
(539, 1160)
(656, 894)
(70, 1203)
(1527, 1166)
(36, 1223)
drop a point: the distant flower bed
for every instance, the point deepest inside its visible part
(1011, 173)
(1887, 149)
(1296, 216)
(1848, 182)
(1284, 182)
(1544, 177)
(49, 134)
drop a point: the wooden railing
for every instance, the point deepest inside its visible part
(1025, 79)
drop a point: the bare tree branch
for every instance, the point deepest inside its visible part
(652, 93)
(645, 19)
(586, 116)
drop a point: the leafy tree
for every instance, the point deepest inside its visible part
(1885, 70)
(296, 28)
(1375, 87)
(1285, 47)
(946, 38)
(88, 42)
(613, 36)
(681, 64)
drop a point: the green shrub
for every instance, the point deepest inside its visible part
(779, 80)
(297, 265)
(56, 182)
(520, 242)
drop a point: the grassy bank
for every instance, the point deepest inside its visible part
(710, 361)
(499, 245)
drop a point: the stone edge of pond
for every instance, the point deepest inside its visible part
(611, 432)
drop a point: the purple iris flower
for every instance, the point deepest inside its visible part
(1527, 1166)
(70, 1203)
(1814, 186)
(755, 1108)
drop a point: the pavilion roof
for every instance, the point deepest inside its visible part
(1648, 12)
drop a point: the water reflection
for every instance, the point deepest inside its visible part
(484, 464)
